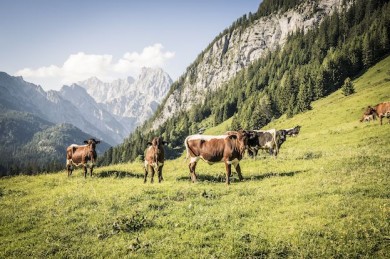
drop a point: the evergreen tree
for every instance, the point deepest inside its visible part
(235, 123)
(348, 87)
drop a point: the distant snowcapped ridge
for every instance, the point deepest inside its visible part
(129, 98)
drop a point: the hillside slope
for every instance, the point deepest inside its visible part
(325, 196)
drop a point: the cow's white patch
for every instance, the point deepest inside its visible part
(75, 145)
(194, 159)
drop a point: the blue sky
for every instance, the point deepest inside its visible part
(53, 42)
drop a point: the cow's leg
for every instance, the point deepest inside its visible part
(228, 166)
(160, 178)
(192, 166)
(91, 170)
(238, 170)
(85, 170)
(380, 118)
(152, 176)
(69, 167)
(146, 173)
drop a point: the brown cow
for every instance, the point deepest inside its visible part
(84, 156)
(380, 110)
(154, 158)
(228, 148)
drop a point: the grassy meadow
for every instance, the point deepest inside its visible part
(325, 196)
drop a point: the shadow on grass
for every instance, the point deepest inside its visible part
(222, 177)
(118, 174)
(201, 177)
(271, 174)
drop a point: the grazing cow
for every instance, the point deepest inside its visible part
(154, 158)
(293, 132)
(270, 140)
(81, 155)
(228, 148)
(381, 110)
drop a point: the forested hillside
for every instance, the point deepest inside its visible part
(310, 66)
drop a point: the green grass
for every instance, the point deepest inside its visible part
(325, 196)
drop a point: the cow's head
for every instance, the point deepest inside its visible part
(369, 113)
(281, 136)
(157, 142)
(242, 137)
(92, 143)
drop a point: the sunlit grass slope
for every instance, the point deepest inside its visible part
(325, 196)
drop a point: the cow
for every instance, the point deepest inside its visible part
(81, 155)
(380, 110)
(270, 140)
(154, 158)
(293, 132)
(228, 148)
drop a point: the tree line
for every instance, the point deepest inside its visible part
(310, 66)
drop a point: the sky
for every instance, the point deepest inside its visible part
(56, 42)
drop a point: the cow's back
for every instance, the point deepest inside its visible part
(383, 108)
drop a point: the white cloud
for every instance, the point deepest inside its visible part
(81, 66)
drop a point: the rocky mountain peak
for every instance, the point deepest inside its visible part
(237, 49)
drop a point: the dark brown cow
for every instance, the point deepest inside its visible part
(84, 156)
(265, 139)
(293, 132)
(228, 148)
(154, 158)
(381, 110)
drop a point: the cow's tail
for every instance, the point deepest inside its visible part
(275, 141)
(187, 149)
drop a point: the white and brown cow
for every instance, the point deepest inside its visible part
(270, 140)
(81, 155)
(228, 148)
(154, 158)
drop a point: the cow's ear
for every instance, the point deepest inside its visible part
(85, 141)
(97, 141)
(149, 144)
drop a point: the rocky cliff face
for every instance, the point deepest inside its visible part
(235, 51)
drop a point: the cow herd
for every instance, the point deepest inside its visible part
(228, 148)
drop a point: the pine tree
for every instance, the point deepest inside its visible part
(348, 87)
